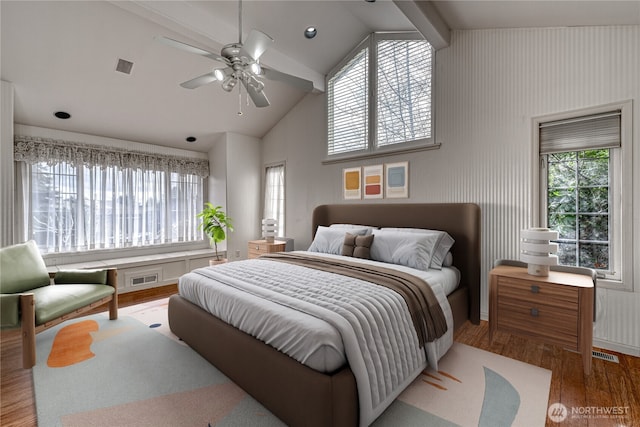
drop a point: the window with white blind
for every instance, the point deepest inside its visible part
(584, 182)
(274, 195)
(397, 69)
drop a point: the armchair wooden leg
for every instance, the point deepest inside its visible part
(113, 307)
(28, 322)
(112, 280)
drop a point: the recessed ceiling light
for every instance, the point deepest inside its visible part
(191, 139)
(62, 115)
(310, 32)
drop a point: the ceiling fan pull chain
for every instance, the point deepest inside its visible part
(239, 100)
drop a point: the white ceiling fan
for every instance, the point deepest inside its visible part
(242, 63)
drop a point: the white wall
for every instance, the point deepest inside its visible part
(235, 163)
(489, 85)
(6, 164)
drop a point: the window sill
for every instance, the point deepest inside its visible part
(339, 158)
(614, 285)
(101, 256)
(134, 261)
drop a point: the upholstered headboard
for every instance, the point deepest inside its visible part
(460, 220)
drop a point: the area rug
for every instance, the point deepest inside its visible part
(133, 371)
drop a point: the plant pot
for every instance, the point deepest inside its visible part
(217, 261)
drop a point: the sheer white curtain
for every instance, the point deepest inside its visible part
(274, 195)
(75, 206)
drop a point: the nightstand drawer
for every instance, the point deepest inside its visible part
(256, 248)
(538, 293)
(552, 324)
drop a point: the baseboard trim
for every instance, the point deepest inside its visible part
(620, 348)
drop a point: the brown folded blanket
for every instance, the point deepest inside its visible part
(426, 313)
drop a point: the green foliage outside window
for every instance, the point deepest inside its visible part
(578, 206)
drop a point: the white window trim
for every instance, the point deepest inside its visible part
(623, 235)
(372, 151)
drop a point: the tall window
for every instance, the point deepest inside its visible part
(397, 69)
(583, 186)
(71, 207)
(274, 195)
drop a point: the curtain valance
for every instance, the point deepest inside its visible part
(36, 150)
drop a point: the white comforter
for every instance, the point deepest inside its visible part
(375, 326)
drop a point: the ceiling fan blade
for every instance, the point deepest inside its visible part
(199, 81)
(255, 45)
(259, 98)
(191, 49)
(294, 81)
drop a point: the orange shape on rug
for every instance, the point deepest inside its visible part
(72, 344)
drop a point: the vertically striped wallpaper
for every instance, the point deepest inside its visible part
(490, 83)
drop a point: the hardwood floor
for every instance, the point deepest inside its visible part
(611, 387)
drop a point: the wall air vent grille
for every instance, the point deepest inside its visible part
(144, 280)
(124, 66)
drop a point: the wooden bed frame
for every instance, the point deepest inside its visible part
(295, 393)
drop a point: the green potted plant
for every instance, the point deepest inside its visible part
(215, 224)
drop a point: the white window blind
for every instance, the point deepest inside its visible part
(379, 98)
(403, 91)
(581, 133)
(348, 106)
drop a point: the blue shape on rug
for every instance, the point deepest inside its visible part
(501, 401)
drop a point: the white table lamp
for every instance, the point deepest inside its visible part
(269, 229)
(537, 250)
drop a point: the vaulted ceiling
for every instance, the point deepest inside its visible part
(62, 55)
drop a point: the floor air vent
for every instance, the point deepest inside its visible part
(605, 356)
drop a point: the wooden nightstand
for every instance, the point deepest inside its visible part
(555, 309)
(259, 247)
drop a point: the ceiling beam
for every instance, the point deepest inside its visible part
(427, 20)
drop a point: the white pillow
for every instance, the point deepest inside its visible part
(448, 260)
(330, 240)
(353, 226)
(414, 250)
(444, 243)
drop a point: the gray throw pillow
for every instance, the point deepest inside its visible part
(357, 246)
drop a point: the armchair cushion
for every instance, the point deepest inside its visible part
(54, 301)
(22, 268)
(88, 277)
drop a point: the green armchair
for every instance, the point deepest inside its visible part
(35, 300)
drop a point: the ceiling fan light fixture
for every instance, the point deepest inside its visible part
(229, 83)
(255, 68)
(219, 74)
(310, 32)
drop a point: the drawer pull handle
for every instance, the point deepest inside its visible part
(535, 289)
(534, 312)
